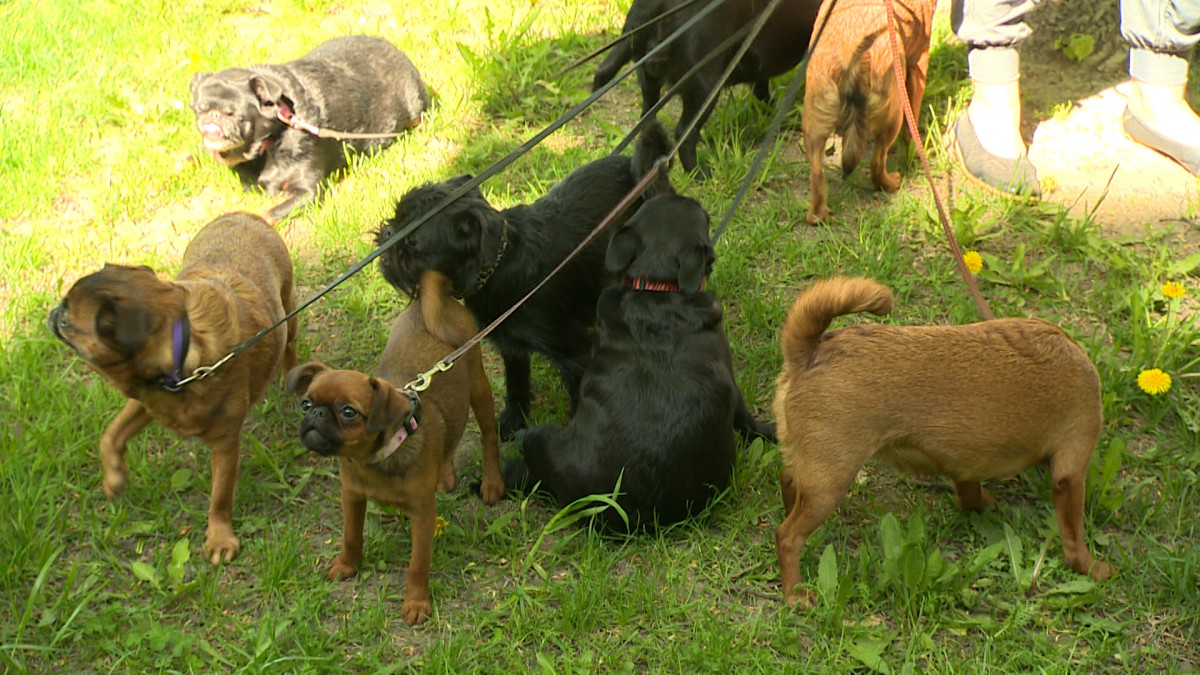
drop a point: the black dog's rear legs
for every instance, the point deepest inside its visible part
(750, 428)
(517, 394)
(693, 96)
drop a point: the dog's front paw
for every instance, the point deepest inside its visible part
(114, 481)
(515, 476)
(341, 568)
(1100, 570)
(221, 545)
(416, 610)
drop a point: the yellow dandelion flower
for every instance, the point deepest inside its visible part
(193, 59)
(1154, 381)
(1173, 290)
(439, 525)
(973, 261)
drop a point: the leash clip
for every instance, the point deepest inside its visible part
(426, 378)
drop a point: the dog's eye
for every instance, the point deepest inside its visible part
(305, 405)
(63, 321)
(348, 413)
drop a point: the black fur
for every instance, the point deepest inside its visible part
(778, 48)
(658, 402)
(524, 243)
(356, 84)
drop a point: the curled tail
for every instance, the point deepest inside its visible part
(816, 307)
(652, 144)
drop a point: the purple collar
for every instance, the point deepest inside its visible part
(181, 337)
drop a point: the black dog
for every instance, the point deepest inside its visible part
(658, 402)
(357, 84)
(493, 258)
(777, 48)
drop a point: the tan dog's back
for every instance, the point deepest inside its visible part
(1006, 392)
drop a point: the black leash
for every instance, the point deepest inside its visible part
(623, 36)
(204, 371)
(789, 99)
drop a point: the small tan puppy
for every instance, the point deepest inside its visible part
(391, 450)
(850, 87)
(144, 334)
(975, 402)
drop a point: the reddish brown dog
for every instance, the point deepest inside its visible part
(851, 87)
(142, 334)
(391, 450)
(975, 402)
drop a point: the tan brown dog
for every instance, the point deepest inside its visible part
(144, 334)
(850, 87)
(392, 451)
(975, 402)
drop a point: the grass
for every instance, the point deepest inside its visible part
(101, 162)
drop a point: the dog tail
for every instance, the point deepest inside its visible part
(620, 54)
(820, 304)
(653, 144)
(855, 95)
(436, 290)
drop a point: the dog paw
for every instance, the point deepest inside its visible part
(817, 216)
(491, 490)
(1100, 570)
(341, 569)
(114, 482)
(509, 423)
(416, 610)
(221, 546)
(889, 181)
(800, 599)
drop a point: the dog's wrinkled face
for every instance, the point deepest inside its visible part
(345, 412)
(108, 317)
(665, 241)
(236, 112)
(458, 241)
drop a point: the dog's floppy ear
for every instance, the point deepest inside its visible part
(621, 249)
(297, 380)
(124, 322)
(694, 265)
(388, 408)
(268, 91)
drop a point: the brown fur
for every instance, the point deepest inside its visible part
(236, 280)
(432, 326)
(850, 87)
(975, 402)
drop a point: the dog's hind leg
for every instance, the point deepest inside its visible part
(885, 123)
(814, 147)
(517, 394)
(693, 96)
(748, 427)
(1068, 469)
(815, 494)
(972, 496)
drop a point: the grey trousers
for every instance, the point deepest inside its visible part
(1160, 33)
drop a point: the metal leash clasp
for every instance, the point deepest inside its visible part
(426, 378)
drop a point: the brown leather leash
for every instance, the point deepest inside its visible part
(911, 118)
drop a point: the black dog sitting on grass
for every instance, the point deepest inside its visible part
(658, 403)
(493, 258)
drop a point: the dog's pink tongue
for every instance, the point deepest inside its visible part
(211, 129)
